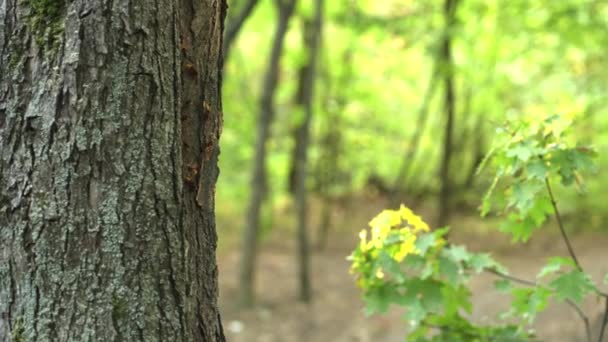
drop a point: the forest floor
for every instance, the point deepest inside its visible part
(336, 312)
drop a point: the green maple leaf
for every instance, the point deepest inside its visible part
(537, 169)
(450, 269)
(457, 253)
(482, 261)
(523, 151)
(524, 195)
(424, 242)
(573, 285)
(555, 264)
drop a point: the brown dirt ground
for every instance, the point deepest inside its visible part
(336, 312)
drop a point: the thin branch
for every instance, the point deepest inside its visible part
(560, 224)
(562, 230)
(572, 304)
(584, 317)
(512, 278)
(604, 321)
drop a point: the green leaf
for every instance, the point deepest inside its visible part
(520, 228)
(377, 300)
(537, 169)
(424, 242)
(523, 151)
(428, 270)
(415, 262)
(415, 313)
(574, 285)
(539, 210)
(524, 194)
(555, 264)
(418, 334)
(425, 291)
(456, 298)
(528, 302)
(503, 285)
(457, 253)
(450, 270)
(389, 265)
(482, 261)
(441, 232)
(568, 161)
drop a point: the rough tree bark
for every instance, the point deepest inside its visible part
(259, 178)
(110, 115)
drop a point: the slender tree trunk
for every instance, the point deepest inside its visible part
(449, 101)
(312, 32)
(259, 177)
(110, 115)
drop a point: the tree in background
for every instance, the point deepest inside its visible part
(259, 181)
(110, 115)
(447, 67)
(328, 172)
(509, 60)
(299, 165)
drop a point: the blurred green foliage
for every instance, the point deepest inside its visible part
(405, 263)
(513, 59)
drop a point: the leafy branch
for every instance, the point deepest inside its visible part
(404, 262)
(530, 283)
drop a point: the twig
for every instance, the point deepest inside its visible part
(560, 224)
(584, 317)
(572, 304)
(512, 278)
(604, 322)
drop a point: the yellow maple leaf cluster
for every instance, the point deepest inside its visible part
(404, 221)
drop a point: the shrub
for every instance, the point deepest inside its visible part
(400, 260)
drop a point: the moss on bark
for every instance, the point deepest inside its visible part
(45, 21)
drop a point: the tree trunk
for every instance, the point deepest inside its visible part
(110, 115)
(328, 171)
(449, 107)
(311, 32)
(259, 177)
